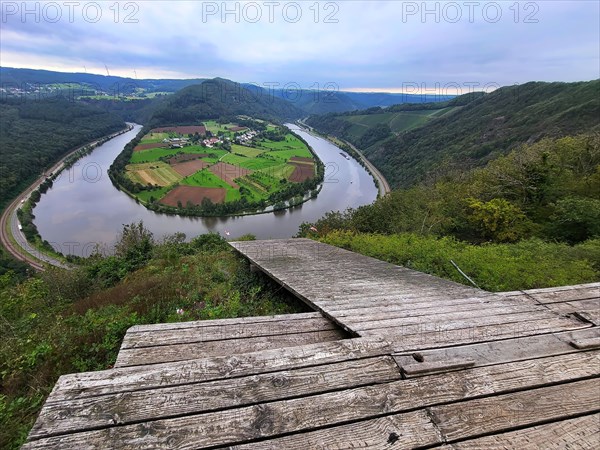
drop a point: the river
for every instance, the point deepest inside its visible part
(83, 209)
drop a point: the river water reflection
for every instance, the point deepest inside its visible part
(83, 208)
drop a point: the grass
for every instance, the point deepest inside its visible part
(154, 154)
(158, 172)
(279, 172)
(214, 127)
(291, 143)
(249, 163)
(284, 155)
(152, 138)
(527, 264)
(257, 193)
(156, 193)
(205, 178)
(247, 151)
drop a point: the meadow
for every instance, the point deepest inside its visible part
(153, 173)
(155, 154)
(205, 178)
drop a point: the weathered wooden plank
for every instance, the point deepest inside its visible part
(505, 412)
(567, 296)
(425, 368)
(382, 297)
(221, 322)
(590, 316)
(585, 344)
(180, 352)
(416, 306)
(492, 314)
(554, 289)
(449, 322)
(119, 409)
(222, 332)
(497, 352)
(576, 305)
(578, 433)
(126, 379)
(283, 258)
(396, 294)
(421, 337)
(239, 425)
(408, 430)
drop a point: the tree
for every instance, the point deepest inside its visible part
(576, 219)
(498, 219)
(135, 244)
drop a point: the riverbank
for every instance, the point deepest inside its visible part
(382, 184)
(12, 237)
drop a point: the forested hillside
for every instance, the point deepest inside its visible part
(137, 110)
(34, 134)
(370, 127)
(221, 98)
(489, 127)
(478, 129)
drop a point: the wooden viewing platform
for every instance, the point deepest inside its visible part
(389, 359)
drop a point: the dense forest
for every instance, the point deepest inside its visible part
(486, 127)
(35, 134)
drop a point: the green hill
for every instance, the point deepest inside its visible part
(217, 98)
(371, 126)
(489, 127)
(415, 142)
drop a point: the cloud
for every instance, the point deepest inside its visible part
(352, 43)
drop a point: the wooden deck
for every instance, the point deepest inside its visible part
(390, 359)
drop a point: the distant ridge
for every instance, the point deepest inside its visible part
(328, 98)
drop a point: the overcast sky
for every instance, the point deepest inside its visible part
(389, 46)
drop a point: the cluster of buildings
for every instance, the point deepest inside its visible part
(179, 142)
(246, 138)
(212, 141)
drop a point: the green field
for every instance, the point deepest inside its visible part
(156, 193)
(280, 171)
(291, 143)
(152, 173)
(397, 121)
(154, 154)
(205, 178)
(250, 163)
(152, 138)
(214, 127)
(247, 151)
(284, 155)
